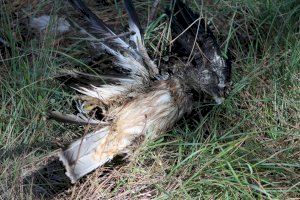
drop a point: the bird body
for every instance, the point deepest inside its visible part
(138, 104)
(147, 115)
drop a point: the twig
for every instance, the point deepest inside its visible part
(94, 39)
(194, 43)
(73, 119)
(117, 36)
(184, 31)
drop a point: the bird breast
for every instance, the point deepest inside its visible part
(149, 114)
(154, 111)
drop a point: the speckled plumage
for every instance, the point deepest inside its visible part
(143, 102)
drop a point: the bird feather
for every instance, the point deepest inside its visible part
(135, 105)
(140, 117)
(137, 37)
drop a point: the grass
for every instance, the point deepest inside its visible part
(247, 148)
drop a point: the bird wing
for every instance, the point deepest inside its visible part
(99, 27)
(126, 122)
(189, 28)
(133, 59)
(137, 37)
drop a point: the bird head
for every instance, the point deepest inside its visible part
(207, 81)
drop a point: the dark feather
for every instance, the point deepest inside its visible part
(133, 18)
(100, 28)
(96, 23)
(76, 79)
(135, 26)
(182, 18)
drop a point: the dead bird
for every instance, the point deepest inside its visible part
(141, 102)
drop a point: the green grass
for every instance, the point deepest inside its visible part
(247, 148)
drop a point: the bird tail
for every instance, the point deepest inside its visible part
(80, 158)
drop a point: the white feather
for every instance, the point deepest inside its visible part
(137, 39)
(217, 62)
(78, 158)
(127, 62)
(104, 93)
(130, 63)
